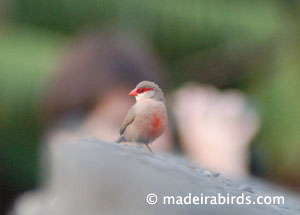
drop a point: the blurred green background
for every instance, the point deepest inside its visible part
(251, 45)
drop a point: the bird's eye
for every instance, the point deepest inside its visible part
(142, 90)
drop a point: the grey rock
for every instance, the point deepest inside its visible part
(246, 188)
(95, 177)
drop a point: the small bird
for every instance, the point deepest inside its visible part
(147, 119)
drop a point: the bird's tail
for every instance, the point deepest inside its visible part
(120, 140)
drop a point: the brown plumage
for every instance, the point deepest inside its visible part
(147, 119)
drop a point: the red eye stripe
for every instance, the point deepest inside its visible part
(142, 90)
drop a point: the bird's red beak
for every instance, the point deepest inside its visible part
(133, 92)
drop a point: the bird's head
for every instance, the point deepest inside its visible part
(147, 89)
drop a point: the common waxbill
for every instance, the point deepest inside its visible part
(147, 119)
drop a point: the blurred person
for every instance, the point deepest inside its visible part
(215, 128)
(88, 96)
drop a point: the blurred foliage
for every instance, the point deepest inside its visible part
(27, 56)
(177, 28)
(34, 32)
(279, 93)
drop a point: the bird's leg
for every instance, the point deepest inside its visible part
(149, 148)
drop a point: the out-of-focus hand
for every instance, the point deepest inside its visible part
(215, 128)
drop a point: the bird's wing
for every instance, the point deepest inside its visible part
(128, 120)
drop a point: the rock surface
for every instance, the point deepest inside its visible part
(94, 177)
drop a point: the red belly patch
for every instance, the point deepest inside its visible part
(156, 123)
